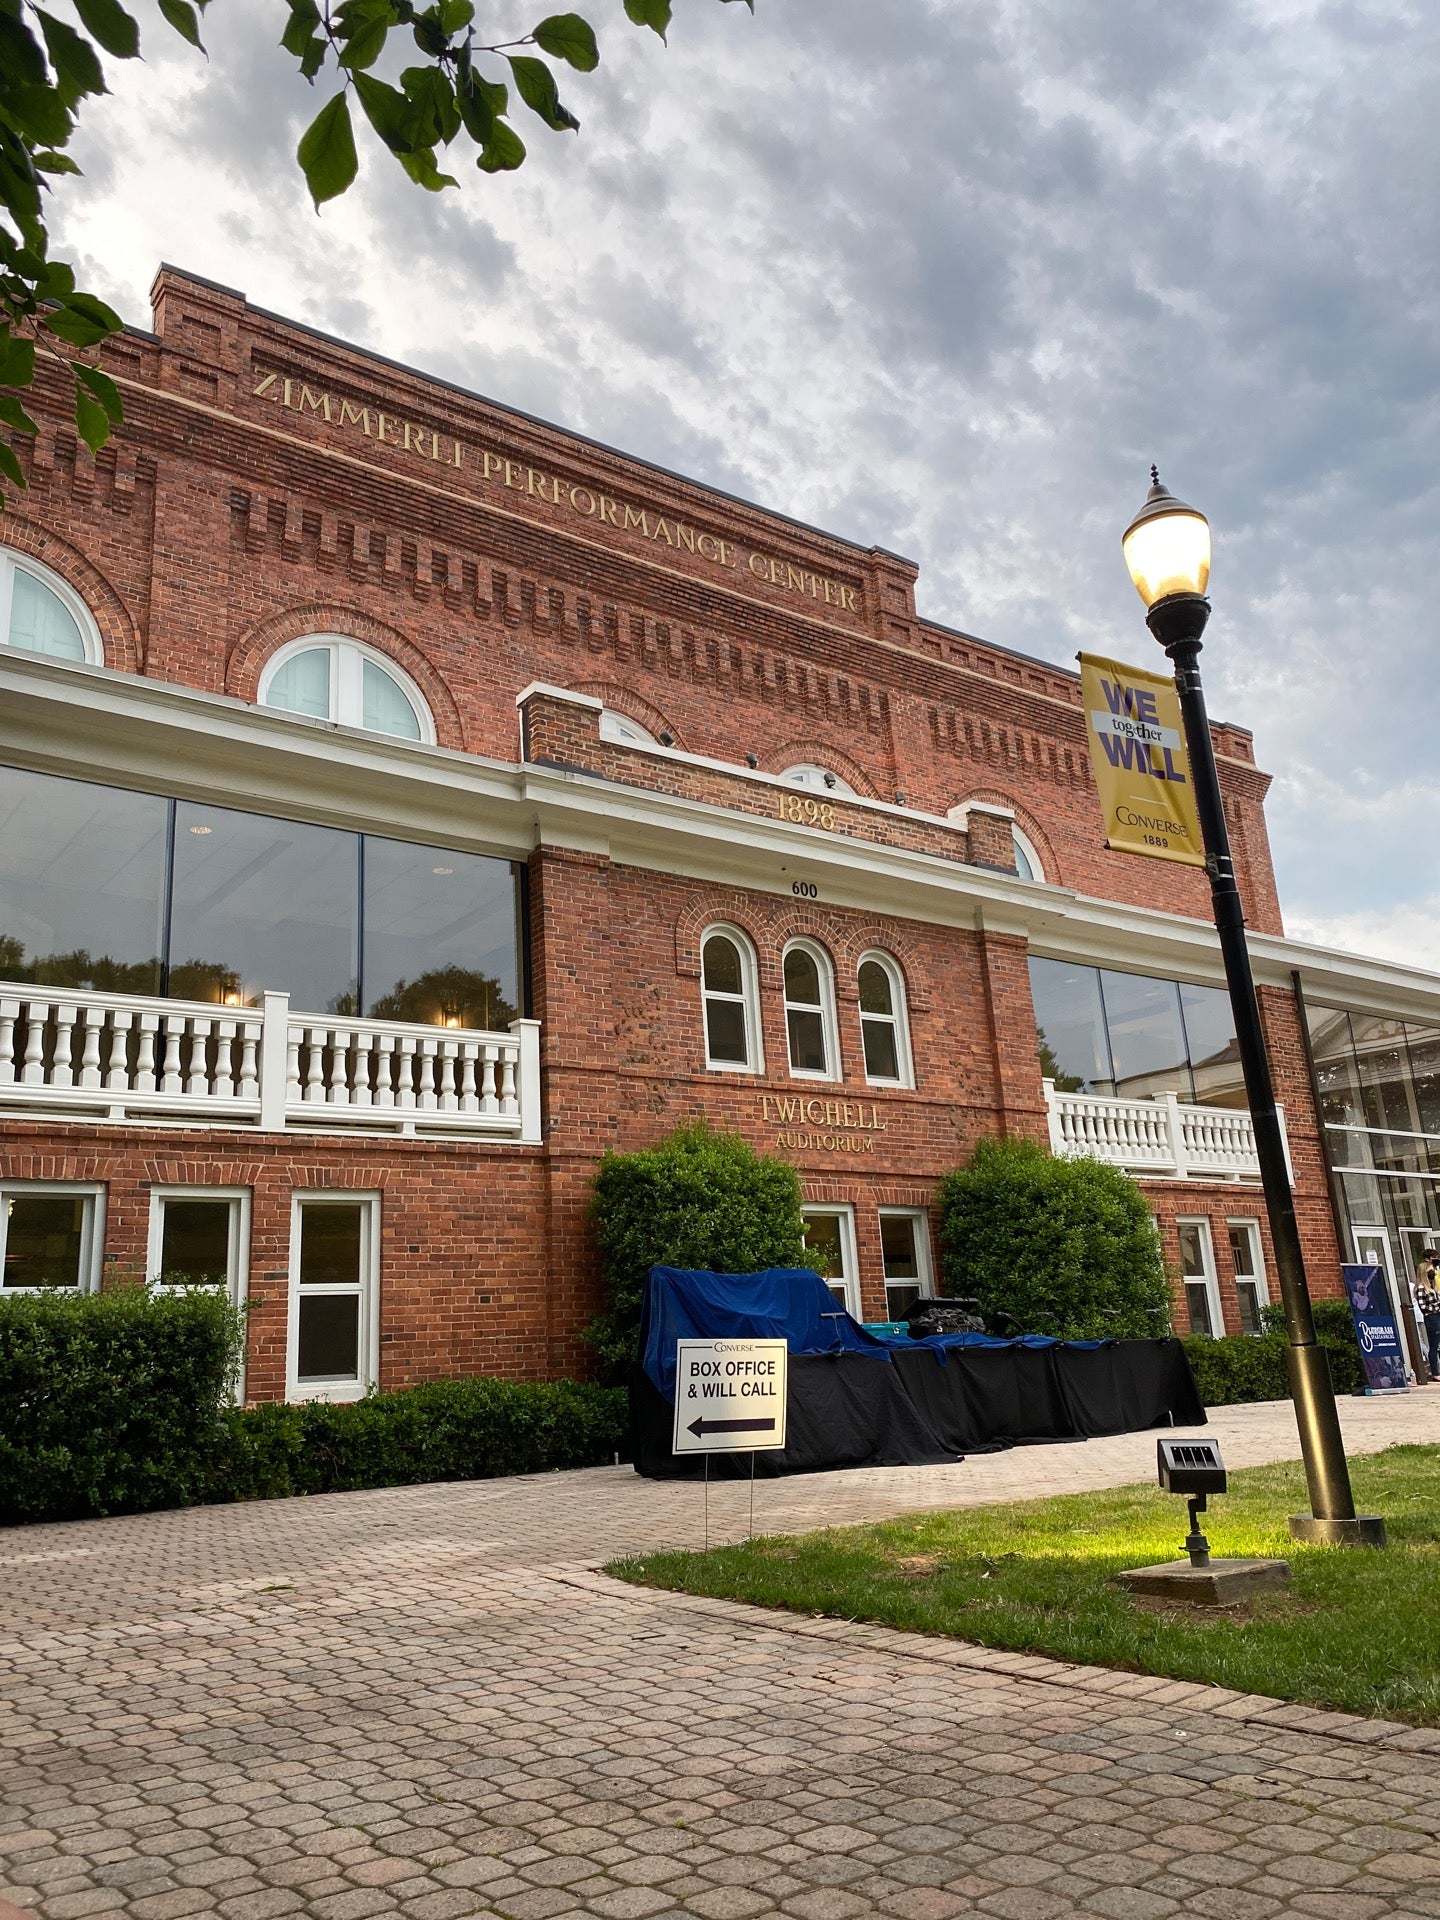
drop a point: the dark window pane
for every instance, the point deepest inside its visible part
(1192, 1250)
(1242, 1252)
(330, 1244)
(1071, 1027)
(1335, 1066)
(1147, 1042)
(1384, 1072)
(1424, 1043)
(1249, 1300)
(725, 1031)
(329, 1343)
(1214, 1055)
(1197, 1302)
(195, 1240)
(875, 990)
(263, 903)
(722, 965)
(82, 874)
(897, 1246)
(881, 1056)
(899, 1299)
(823, 1244)
(441, 936)
(807, 1041)
(44, 1239)
(802, 977)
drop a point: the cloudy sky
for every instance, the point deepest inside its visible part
(943, 276)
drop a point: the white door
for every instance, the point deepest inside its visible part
(1372, 1249)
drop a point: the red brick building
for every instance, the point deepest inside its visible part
(404, 800)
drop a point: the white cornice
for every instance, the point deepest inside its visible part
(93, 723)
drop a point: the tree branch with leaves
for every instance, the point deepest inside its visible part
(459, 89)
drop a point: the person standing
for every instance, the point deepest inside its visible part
(1427, 1299)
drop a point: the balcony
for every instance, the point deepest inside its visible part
(76, 1055)
(1163, 1137)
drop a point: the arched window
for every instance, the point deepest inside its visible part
(810, 1012)
(884, 1028)
(42, 614)
(732, 1022)
(1027, 860)
(332, 678)
(620, 727)
(821, 779)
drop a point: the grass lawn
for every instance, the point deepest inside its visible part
(1359, 1630)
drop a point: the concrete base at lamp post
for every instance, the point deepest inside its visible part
(1365, 1530)
(1220, 1583)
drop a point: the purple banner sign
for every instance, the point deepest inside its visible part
(1381, 1353)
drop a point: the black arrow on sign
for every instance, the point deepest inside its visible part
(701, 1427)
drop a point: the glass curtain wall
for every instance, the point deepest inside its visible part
(132, 893)
(1126, 1034)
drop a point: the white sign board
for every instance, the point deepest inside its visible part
(729, 1395)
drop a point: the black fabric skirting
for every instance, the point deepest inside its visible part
(848, 1410)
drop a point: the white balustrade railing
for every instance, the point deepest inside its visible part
(1161, 1136)
(119, 1057)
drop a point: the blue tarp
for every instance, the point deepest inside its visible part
(792, 1304)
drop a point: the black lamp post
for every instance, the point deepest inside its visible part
(1167, 549)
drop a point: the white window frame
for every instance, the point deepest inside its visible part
(749, 998)
(368, 1289)
(63, 592)
(1210, 1275)
(624, 731)
(1260, 1279)
(829, 1026)
(347, 701)
(900, 1018)
(92, 1238)
(1024, 844)
(848, 1279)
(924, 1269)
(237, 1258)
(817, 779)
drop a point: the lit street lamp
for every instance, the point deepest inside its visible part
(1167, 549)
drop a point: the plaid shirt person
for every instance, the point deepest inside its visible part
(1427, 1299)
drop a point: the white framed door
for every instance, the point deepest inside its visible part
(1373, 1249)
(830, 1239)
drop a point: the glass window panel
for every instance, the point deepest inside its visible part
(263, 903)
(195, 1240)
(897, 1246)
(1384, 1072)
(1071, 1026)
(1023, 868)
(44, 1239)
(1192, 1250)
(1147, 1042)
(441, 937)
(876, 993)
(1242, 1252)
(725, 1031)
(1214, 1054)
(1335, 1068)
(302, 685)
(82, 876)
(1424, 1044)
(802, 977)
(807, 1041)
(331, 1243)
(1248, 1298)
(40, 622)
(722, 965)
(824, 1245)
(328, 1347)
(384, 705)
(1197, 1303)
(882, 1058)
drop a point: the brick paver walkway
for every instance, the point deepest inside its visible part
(426, 1703)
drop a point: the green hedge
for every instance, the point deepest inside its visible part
(111, 1402)
(1061, 1246)
(119, 1403)
(1240, 1368)
(697, 1199)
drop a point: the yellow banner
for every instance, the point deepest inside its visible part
(1142, 769)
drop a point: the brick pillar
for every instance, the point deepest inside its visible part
(1010, 1010)
(1313, 1211)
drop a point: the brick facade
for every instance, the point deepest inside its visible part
(269, 483)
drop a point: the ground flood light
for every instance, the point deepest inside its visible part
(1193, 1467)
(1195, 1470)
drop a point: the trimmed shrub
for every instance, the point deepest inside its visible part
(1238, 1368)
(1060, 1246)
(699, 1199)
(112, 1402)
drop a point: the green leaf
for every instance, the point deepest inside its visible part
(14, 415)
(364, 26)
(388, 112)
(55, 163)
(54, 280)
(456, 15)
(327, 151)
(183, 18)
(38, 114)
(10, 466)
(654, 14)
(83, 321)
(503, 151)
(21, 61)
(536, 86)
(434, 114)
(565, 36)
(109, 23)
(91, 420)
(477, 110)
(303, 24)
(17, 360)
(77, 65)
(102, 387)
(421, 167)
